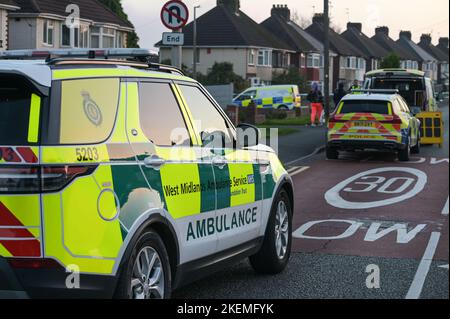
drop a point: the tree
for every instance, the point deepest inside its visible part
(290, 76)
(223, 73)
(299, 19)
(116, 7)
(391, 61)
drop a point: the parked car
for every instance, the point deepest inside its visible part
(373, 121)
(283, 97)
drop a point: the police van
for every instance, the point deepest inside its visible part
(282, 97)
(126, 179)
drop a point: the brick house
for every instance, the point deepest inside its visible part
(40, 24)
(309, 56)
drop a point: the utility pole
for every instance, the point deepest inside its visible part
(194, 65)
(326, 15)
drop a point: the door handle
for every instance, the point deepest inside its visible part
(154, 161)
(219, 162)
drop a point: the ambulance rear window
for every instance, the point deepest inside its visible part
(365, 106)
(84, 111)
(16, 112)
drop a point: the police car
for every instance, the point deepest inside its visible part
(282, 97)
(126, 179)
(373, 119)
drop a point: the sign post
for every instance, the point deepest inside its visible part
(174, 16)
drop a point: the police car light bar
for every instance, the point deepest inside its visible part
(376, 91)
(78, 53)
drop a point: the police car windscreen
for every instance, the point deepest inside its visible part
(365, 106)
(15, 100)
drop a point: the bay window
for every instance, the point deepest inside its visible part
(48, 32)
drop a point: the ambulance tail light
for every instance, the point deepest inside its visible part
(58, 177)
(36, 179)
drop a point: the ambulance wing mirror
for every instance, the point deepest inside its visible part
(247, 135)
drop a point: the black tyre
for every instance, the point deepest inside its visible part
(404, 154)
(146, 274)
(416, 148)
(332, 153)
(275, 252)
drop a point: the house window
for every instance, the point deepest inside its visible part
(84, 36)
(65, 36)
(48, 32)
(302, 61)
(95, 37)
(313, 61)
(108, 37)
(264, 58)
(120, 43)
(251, 57)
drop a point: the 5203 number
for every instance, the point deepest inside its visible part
(87, 154)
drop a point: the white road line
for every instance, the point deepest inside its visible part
(300, 170)
(293, 168)
(445, 210)
(316, 151)
(424, 267)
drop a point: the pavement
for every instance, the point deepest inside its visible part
(365, 226)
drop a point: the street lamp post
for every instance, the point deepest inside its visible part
(194, 66)
(326, 14)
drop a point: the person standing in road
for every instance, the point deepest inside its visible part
(339, 94)
(355, 86)
(315, 97)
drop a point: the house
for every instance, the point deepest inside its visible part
(40, 24)
(408, 60)
(427, 62)
(442, 58)
(226, 34)
(309, 56)
(373, 51)
(6, 6)
(350, 63)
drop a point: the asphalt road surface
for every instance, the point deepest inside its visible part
(365, 226)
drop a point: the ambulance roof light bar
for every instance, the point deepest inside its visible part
(376, 91)
(79, 53)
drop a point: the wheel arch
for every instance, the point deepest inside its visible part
(162, 226)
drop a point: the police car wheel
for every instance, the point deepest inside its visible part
(416, 148)
(332, 154)
(276, 249)
(403, 154)
(147, 273)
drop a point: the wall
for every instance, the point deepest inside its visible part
(22, 33)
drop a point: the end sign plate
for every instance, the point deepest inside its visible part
(173, 38)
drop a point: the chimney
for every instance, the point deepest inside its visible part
(443, 43)
(357, 26)
(281, 11)
(406, 34)
(425, 39)
(318, 18)
(233, 5)
(382, 30)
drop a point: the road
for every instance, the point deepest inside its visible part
(365, 226)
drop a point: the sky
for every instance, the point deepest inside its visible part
(418, 16)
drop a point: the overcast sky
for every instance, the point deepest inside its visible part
(418, 16)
